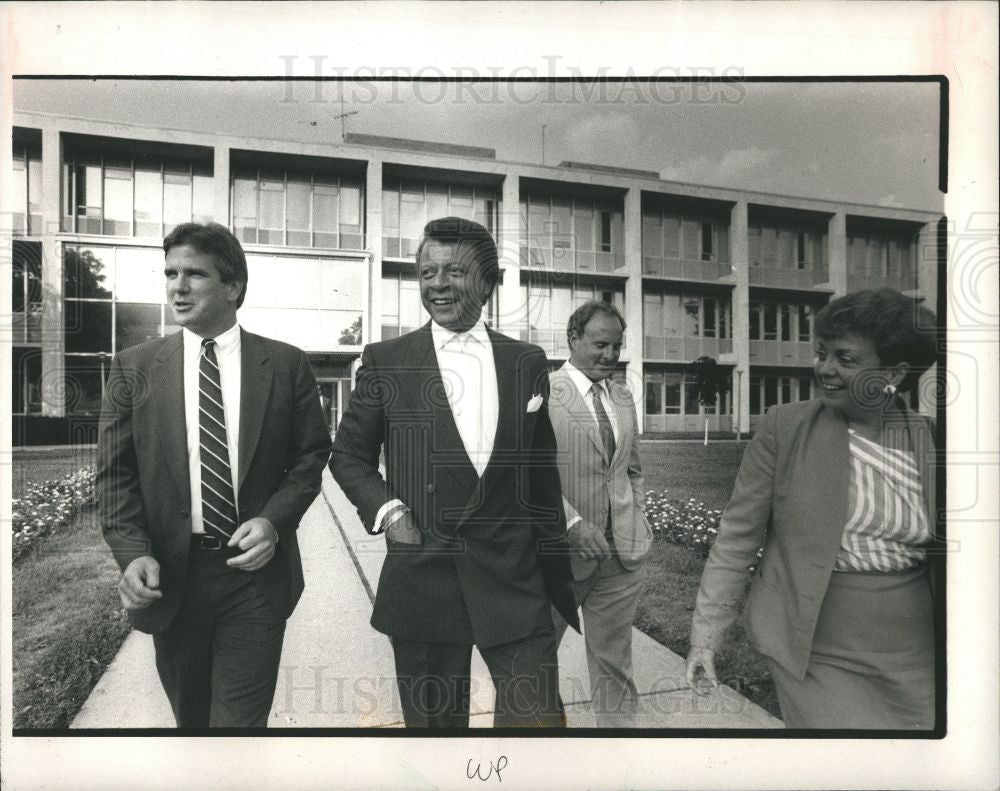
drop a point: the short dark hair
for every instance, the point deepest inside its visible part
(900, 328)
(463, 232)
(583, 314)
(217, 241)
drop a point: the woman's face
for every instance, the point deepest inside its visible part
(850, 375)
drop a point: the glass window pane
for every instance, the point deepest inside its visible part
(280, 282)
(769, 245)
(245, 209)
(342, 284)
(87, 326)
(786, 322)
(299, 213)
(755, 395)
(84, 384)
(770, 321)
(652, 315)
(754, 310)
(325, 210)
(411, 311)
(786, 249)
(139, 275)
(302, 328)
(691, 318)
(148, 200)
(786, 389)
(461, 201)
(343, 327)
(672, 393)
(671, 236)
(118, 196)
(390, 299)
(605, 232)
(710, 317)
(390, 212)
(652, 235)
(20, 196)
(673, 316)
(654, 395)
(177, 196)
(583, 225)
(437, 201)
(804, 388)
(135, 324)
(87, 272)
(755, 248)
(805, 323)
(770, 391)
(707, 248)
(350, 216)
(203, 200)
(271, 223)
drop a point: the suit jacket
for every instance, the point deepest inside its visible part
(791, 495)
(494, 554)
(591, 482)
(143, 488)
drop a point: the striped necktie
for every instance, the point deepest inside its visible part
(603, 421)
(217, 500)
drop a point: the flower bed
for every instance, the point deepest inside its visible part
(690, 523)
(48, 507)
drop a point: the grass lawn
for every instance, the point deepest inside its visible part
(67, 620)
(687, 470)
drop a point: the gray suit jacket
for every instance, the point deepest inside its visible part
(790, 496)
(592, 483)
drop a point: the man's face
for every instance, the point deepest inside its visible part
(196, 294)
(596, 351)
(452, 288)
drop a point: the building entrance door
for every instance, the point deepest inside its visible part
(333, 395)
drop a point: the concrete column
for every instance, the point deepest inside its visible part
(837, 253)
(925, 263)
(371, 329)
(633, 298)
(739, 255)
(220, 181)
(53, 340)
(512, 308)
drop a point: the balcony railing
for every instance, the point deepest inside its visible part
(675, 348)
(787, 278)
(568, 259)
(781, 353)
(685, 268)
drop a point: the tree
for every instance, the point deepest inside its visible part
(708, 378)
(351, 336)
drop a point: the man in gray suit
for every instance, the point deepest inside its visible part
(597, 436)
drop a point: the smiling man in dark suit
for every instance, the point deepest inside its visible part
(211, 448)
(470, 501)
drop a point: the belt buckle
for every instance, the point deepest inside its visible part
(212, 543)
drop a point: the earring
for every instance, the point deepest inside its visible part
(889, 389)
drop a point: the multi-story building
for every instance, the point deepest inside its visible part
(330, 233)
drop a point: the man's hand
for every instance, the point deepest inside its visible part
(405, 531)
(588, 542)
(703, 660)
(140, 582)
(258, 538)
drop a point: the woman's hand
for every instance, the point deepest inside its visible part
(703, 658)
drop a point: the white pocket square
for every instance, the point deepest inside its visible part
(535, 403)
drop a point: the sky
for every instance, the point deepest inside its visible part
(869, 143)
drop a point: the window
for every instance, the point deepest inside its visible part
(802, 257)
(26, 296)
(409, 204)
(296, 208)
(709, 318)
(672, 388)
(770, 321)
(786, 322)
(146, 195)
(605, 232)
(755, 311)
(805, 323)
(654, 395)
(805, 388)
(707, 251)
(26, 217)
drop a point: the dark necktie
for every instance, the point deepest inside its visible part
(603, 422)
(217, 500)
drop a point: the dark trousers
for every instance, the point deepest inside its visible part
(434, 686)
(218, 660)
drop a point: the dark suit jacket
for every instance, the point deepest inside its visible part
(143, 491)
(494, 552)
(791, 495)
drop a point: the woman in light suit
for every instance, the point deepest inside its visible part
(839, 491)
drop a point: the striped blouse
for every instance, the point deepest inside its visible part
(886, 516)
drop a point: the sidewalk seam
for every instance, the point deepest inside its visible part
(350, 550)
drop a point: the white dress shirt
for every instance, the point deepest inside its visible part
(584, 384)
(227, 353)
(469, 374)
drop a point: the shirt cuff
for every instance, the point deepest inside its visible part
(573, 521)
(384, 518)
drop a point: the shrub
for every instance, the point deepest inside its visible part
(690, 523)
(49, 507)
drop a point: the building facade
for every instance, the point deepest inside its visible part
(330, 233)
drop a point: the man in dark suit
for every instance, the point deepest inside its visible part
(211, 447)
(470, 501)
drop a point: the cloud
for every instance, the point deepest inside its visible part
(740, 168)
(605, 139)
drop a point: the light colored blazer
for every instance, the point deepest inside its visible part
(791, 495)
(590, 481)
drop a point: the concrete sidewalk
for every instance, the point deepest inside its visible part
(336, 671)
